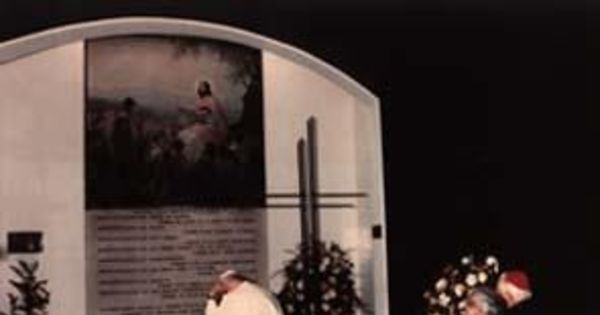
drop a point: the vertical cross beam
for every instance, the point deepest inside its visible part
(306, 240)
(308, 186)
(313, 178)
(303, 187)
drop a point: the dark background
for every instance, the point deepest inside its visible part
(488, 122)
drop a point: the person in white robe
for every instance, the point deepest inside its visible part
(234, 294)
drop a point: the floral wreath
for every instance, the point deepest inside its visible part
(449, 293)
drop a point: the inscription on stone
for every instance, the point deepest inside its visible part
(162, 261)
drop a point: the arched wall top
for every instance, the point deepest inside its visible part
(55, 37)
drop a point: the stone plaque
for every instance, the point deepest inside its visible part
(162, 261)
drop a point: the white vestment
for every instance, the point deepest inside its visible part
(246, 299)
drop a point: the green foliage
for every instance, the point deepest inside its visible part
(244, 62)
(33, 297)
(330, 274)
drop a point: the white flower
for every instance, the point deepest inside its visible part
(471, 280)
(491, 261)
(462, 304)
(482, 277)
(444, 299)
(330, 295)
(324, 263)
(441, 284)
(466, 260)
(459, 290)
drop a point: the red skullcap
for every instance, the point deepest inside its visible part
(518, 279)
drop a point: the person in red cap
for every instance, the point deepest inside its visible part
(513, 287)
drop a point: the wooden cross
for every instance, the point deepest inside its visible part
(308, 185)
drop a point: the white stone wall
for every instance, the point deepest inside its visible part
(41, 167)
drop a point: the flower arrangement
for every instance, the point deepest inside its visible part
(331, 274)
(447, 296)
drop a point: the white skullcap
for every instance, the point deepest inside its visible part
(227, 273)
